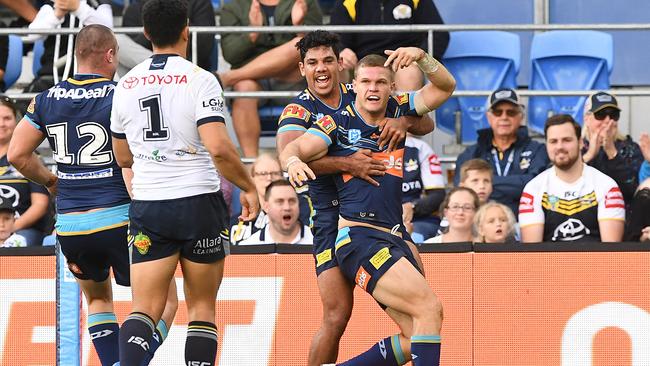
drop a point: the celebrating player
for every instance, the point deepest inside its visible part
(167, 124)
(369, 247)
(92, 200)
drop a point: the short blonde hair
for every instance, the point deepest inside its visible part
(482, 211)
(474, 164)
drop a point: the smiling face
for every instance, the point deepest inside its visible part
(505, 119)
(494, 226)
(321, 68)
(7, 124)
(562, 145)
(373, 85)
(460, 211)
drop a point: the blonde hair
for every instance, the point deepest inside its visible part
(480, 216)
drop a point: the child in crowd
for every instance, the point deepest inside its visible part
(7, 220)
(494, 223)
(476, 174)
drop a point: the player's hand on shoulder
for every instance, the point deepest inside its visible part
(393, 131)
(299, 172)
(403, 57)
(362, 165)
(250, 205)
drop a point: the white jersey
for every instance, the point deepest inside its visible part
(571, 211)
(157, 107)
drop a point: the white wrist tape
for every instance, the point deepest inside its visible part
(428, 64)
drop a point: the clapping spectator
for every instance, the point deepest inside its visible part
(459, 208)
(494, 223)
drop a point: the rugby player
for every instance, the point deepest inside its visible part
(370, 248)
(93, 201)
(320, 66)
(167, 124)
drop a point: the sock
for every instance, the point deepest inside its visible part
(105, 334)
(201, 343)
(135, 339)
(425, 350)
(386, 352)
(159, 336)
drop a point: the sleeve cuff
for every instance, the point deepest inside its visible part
(117, 135)
(210, 119)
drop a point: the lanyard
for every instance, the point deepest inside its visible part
(511, 158)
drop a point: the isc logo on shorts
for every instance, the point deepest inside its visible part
(362, 278)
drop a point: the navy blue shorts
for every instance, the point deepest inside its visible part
(196, 226)
(325, 229)
(95, 242)
(365, 254)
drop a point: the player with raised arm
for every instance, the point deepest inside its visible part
(369, 246)
(168, 125)
(320, 65)
(92, 201)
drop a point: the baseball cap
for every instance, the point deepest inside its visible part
(503, 95)
(6, 205)
(601, 100)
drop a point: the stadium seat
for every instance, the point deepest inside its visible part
(269, 116)
(479, 60)
(14, 61)
(567, 60)
(39, 49)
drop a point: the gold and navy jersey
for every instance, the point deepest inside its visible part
(346, 132)
(305, 109)
(74, 115)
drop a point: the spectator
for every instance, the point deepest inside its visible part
(8, 239)
(476, 174)
(262, 61)
(514, 157)
(201, 13)
(395, 12)
(423, 188)
(605, 149)
(494, 223)
(570, 201)
(644, 144)
(282, 208)
(459, 208)
(637, 226)
(30, 200)
(57, 14)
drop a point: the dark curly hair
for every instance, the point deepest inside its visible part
(319, 38)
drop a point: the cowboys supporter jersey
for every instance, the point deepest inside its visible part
(305, 109)
(157, 108)
(346, 132)
(422, 169)
(75, 117)
(571, 211)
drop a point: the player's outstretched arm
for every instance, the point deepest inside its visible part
(24, 142)
(215, 139)
(442, 85)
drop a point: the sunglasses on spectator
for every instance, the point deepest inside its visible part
(509, 112)
(275, 174)
(611, 112)
(456, 208)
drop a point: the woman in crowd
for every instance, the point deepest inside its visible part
(30, 200)
(459, 208)
(494, 223)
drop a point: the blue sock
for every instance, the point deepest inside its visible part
(425, 350)
(201, 343)
(159, 336)
(135, 339)
(386, 352)
(105, 334)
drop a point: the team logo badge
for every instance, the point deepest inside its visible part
(571, 229)
(354, 135)
(142, 243)
(327, 124)
(130, 82)
(402, 98)
(32, 106)
(411, 165)
(524, 163)
(295, 111)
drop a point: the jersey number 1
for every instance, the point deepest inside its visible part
(156, 131)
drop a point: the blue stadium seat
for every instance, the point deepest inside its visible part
(14, 61)
(39, 49)
(479, 60)
(269, 116)
(567, 60)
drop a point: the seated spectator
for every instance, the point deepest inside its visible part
(356, 46)
(571, 201)
(459, 208)
(201, 13)
(637, 225)
(264, 170)
(423, 188)
(605, 149)
(494, 223)
(282, 208)
(30, 200)
(262, 61)
(9, 239)
(506, 146)
(476, 174)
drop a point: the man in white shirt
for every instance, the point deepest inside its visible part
(283, 210)
(168, 125)
(570, 201)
